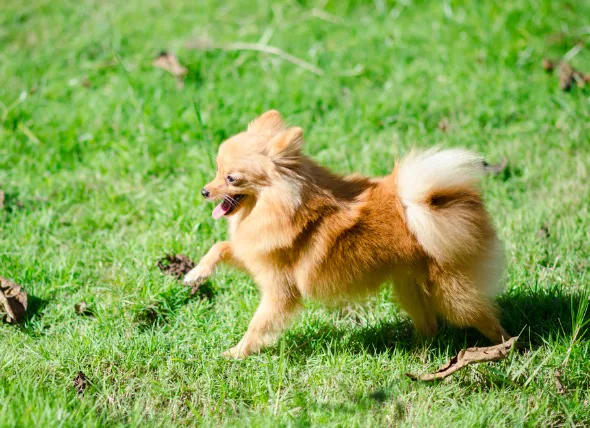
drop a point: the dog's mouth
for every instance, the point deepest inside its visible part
(229, 205)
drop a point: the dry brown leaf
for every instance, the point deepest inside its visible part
(169, 62)
(13, 301)
(548, 64)
(569, 75)
(81, 383)
(1, 200)
(560, 388)
(444, 124)
(496, 168)
(543, 232)
(82, 309)
(469, 356)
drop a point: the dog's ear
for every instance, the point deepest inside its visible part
(269, 123)
(287, 143)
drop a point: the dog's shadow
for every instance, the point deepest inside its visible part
(537, 316)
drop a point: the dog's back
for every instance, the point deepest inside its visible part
(425, 227)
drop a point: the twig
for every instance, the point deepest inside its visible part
(469, 356)
(257, 47)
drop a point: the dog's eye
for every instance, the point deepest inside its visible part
(230, 179)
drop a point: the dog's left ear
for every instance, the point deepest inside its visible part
(287, 143)
(269, 123)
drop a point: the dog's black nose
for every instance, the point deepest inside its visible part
(205, 193)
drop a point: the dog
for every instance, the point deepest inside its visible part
(303, 232)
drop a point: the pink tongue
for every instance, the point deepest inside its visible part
(220, 210)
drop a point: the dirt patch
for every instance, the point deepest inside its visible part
(13, 301)
(469, 356)
(177, 265)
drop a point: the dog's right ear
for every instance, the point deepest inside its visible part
(269, 123)
(286, 144)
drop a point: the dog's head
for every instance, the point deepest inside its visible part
(252, 161)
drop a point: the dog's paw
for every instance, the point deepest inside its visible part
(235, 353)
(197, 275)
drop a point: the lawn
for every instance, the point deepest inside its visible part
(102, 157)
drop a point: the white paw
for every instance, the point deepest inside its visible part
(197, 275)
(235, 353)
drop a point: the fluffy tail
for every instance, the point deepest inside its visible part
(443, 207)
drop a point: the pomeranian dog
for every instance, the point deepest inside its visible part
(303, 232)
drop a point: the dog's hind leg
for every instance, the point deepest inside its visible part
(416, 303)
(462, 304)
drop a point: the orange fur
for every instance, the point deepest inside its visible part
(303, 232)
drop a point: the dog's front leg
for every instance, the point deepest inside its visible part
(220, 252)
(272, 316)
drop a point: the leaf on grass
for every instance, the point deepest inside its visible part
(169, 62)
(469, 356)
(1, 200)
(496, 168)
(13, 301)
(81, 382)
(548, 65)
(569, 75)
(444, 125)
(543, 232)
(83, 310)
(560, 388)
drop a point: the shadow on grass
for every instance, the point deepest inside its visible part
(544, 315)
(163, 307)
(537, 315)
(32, 324)
(540, 316)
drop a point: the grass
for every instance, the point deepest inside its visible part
(102, 157)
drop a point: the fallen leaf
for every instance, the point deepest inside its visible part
(543, 232)
(444, 124)
(569, 75)
(496, 168)
(469, 356)
(83, 310)
(558, 384)
(81, 383)
(169, 62)
(566, 76)
(548, 65)
(1, 200)
(13, 301)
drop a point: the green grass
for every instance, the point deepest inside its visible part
(102, 159)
